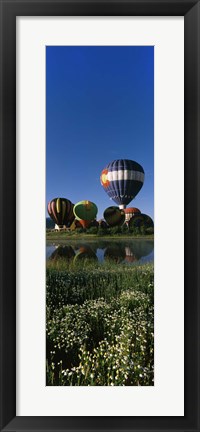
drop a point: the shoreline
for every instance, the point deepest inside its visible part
(92, 237)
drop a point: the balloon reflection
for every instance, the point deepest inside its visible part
(85, 252)
(124, 251)
(62, 252)
(138, 250)
(115, 253)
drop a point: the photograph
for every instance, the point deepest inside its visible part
(99, 215)
(100, 288)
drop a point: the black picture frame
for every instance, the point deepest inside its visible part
(10, 9)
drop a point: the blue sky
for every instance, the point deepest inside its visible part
(99, 107)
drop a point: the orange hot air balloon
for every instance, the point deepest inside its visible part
(84, 223)
(130, 212)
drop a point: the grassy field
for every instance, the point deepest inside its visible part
(65, 235)
(100, 324)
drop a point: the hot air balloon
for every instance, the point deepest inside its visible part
(122, 179)
(85, 212)
(140, 220)
(74, 225)
(102, 223)
(61, 211)
(84, 223)
(114, 216)
(94, 223)
(130, 212)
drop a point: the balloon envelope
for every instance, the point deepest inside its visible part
(131, 211)
(114, 216)
(102, 223)
(122, 179)
(85, 210)
(94, 223)
(61, 211)
(84, 223)
(140, 220)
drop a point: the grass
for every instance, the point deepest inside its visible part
(99, 324)
(63, 237)
(71, 235)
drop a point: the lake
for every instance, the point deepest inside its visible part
(130, 251)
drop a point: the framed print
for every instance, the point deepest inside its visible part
(100, 97)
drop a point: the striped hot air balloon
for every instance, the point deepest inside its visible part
(61, 211)
(122, 179)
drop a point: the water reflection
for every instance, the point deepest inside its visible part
(62, 252)
(120, 251)
(138, 250)
(85, 252)
(115, 253)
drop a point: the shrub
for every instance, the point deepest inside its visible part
(92, 230)
(135, 230)
(124, 229)
(150, 230)
(102, 231)
(142, 230)
(115, 230)
(80, 230)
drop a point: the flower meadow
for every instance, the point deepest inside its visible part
(100, 324)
